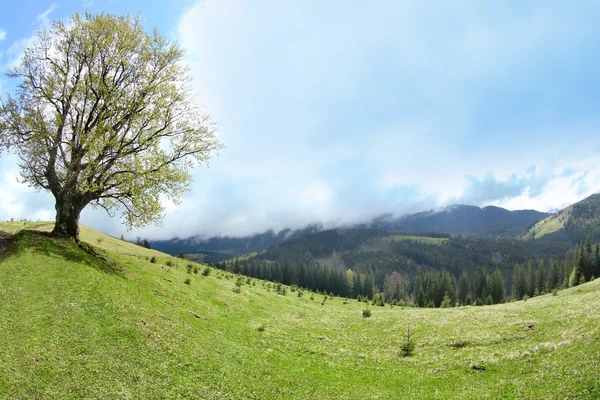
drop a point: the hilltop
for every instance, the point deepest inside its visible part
(488, 221)
(573, 223)
(120, 326)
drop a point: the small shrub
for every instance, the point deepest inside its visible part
(153, 260)
(196, 269)
(169, 263)
(554, 292)
(206, 271)
(458, 344)
(525, 298)
(262, 327)
(478, 367)
(408, 345)
(190, 268)
(188, 281)
(312, 296)
(366, 313)
(100, 240)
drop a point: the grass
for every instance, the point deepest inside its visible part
(549, 225)
(73, 326)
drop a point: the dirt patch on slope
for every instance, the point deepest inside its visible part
(5, 243)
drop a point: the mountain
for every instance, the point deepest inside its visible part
(73, 325)
(400, 264)
(217, 248)
(573, 223)
(464, 219)
(457, 219)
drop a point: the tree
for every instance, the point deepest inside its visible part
(597, 261)
(519, 285)
(497, 289)
(554, 276)
(103, 116)
(541, 278)
(577, 276)
(463, 287)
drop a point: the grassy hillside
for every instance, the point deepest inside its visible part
(72, 326)
(573, 223)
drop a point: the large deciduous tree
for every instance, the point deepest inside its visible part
(104, 116)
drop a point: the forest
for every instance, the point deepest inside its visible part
(424, 270)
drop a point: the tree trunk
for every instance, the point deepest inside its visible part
(67, 217)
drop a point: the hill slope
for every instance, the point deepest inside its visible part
(73, 326)
(573, 223)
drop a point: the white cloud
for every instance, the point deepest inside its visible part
(2, 34)
(318, 194)
(337, 111)
(43, 17)
(19, 201)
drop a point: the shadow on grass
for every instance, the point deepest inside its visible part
(80, 253)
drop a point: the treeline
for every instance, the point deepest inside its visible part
(462, 270)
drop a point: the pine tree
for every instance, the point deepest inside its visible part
(554, 276)
(497, 289)
(541, 278)
(446, 302)
(530, 280)
(587, 261)
(577, 273)
(463, 287)
(519, 286)
(597, 261)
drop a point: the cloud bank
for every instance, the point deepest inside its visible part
(340, 111)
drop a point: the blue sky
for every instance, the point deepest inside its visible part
(337, 111)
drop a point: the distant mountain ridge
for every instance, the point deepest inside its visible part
(216, 248)
(573, 223)
(456, 219)
(465, 219)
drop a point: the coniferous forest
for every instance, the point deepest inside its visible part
(424, 270)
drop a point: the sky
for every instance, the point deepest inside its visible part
(338, 111)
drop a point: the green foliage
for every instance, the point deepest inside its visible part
(206, 271)
(187, 281)
(408, 345)
(352, 265)
(366, 313)
(116, 100)
(446, 302)
(153, 260)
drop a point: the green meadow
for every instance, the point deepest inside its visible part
(115, 325)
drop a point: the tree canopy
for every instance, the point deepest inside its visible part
(104, 115)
